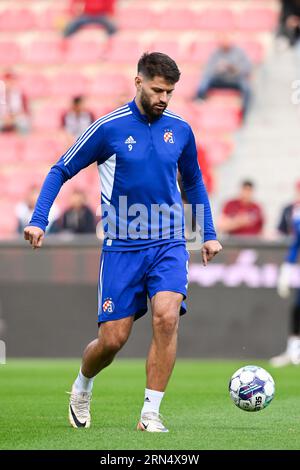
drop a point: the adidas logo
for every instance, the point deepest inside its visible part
(147, 399)
(130, 140)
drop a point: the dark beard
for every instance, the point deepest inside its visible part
(151, 114)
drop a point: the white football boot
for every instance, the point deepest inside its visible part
(79, 409)
(281, 360)
(151, 422)
(290, 356)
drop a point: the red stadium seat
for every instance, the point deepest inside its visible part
(35, 85)
(224, 96)
(187, 110)
(45, 52)
(52, 18)
(125, 50)
(42, 149)
(69, 84)
(82, 52)
(214, 19)
(136, 19)
(187, 85)
(98, 107)
(217, 150)
(20, 177)
(176, 19)
(169, 47)
(11, 146)
(181, 108)
(48, 117)
(16, 186)
(36, 176)
(17, 19)
(3, 178)
(7, 228)
(200, 51)
(109, 84)
(10, 53)
(218, 119)
(260, 19)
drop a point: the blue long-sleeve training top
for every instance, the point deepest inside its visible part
(137, 163)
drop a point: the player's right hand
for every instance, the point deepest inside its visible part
(34, 235)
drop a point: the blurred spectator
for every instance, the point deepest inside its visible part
(285, 225)
(242, 216)
(227, 68)
(289, 21)
(76, 120)
(86, 12)
(14, 114)
(78, 218)
(25, 208)
(290, 225)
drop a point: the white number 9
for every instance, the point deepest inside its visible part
(129, 147)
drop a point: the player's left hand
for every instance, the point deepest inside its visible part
(209, 250)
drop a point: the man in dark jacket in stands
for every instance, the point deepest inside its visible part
(285, 224)
(228, 68)
(78, 218)
(289, 22)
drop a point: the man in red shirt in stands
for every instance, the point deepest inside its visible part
(87, 12)
(242, 216)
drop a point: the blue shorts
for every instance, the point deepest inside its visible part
(127, 278)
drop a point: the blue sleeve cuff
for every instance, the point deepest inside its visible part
(208, 237)
(37, 224)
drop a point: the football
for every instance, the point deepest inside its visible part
(251, 388)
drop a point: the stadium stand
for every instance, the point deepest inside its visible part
(10, 53)
(52, 70)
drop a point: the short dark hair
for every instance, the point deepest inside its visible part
(247, 183)
(157, 64)
(77, 99)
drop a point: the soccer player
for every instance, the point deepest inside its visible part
(290, 224)
(138, 149)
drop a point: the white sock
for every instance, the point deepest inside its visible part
(83, 384)
(293, 343)
(152, 401)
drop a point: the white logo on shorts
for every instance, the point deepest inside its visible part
(108, 305)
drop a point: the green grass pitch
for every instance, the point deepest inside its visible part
(197, 408)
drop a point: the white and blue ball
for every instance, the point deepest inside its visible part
(251, 388)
